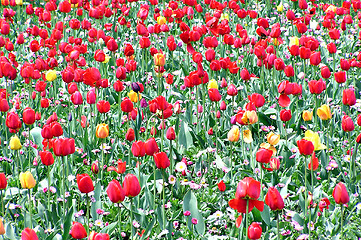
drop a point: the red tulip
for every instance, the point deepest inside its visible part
(221, 186)
(99, 236)
(289, 71)
(170, 135)
(138, 149)
(285, 115)
(325, 72)
(122, 166)
(254, 231)
(359, 119)
(348, 97)
(130, 135)
(28, 116)
(214, 95)
(340, 194)
(340, 77)
(161, 160)
(126, 105)
(131, 185)
(47, 158)
(347, 124)
(345, 64)
(56, 129)
(3, 181)
(232, 90)
(305, 147)
(315, 58)
(85, 183)
(13, 122)
(91, 76)
(65, 7)
(247, 189)
(99, 55)
(274, 200)
(64, 146)
(103, 106)
(4, 105)
(151, 147)
(128, 50)
(78, 231)
(331, 47)
(28, 234)
(314, 161)
(294, 50)
(112, 45)
(316, 87)
(264, 155)
(115, 192)
(77, 98)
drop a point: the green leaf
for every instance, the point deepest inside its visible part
(185, 138)
(190, 204)
(67, 223)
(9, 232)
(265, 215)
(109, 229)
(148, 230)
(97, 204)
(36, 134)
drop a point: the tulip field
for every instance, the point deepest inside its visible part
(180, 119)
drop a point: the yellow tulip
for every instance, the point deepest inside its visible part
(15, 143)
(161, 20)
(159, 59)
(294, 41)
(233, 134)
(280, 8)
(250, 117)
(50, 75)
(19, 2)
(247, 136)
(307, 115)
(273, 138)
(224, 16)
(331, 8)
(269, 147)
(324, 112)
(133, 96)
(27, 180)
(315, 139)
(107, 58)
(102, 130)
(212, 84)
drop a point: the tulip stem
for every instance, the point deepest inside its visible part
(163, 200)
(342, 220)
(170, 157)
(87, 211)
(64, 176)
(101, 165)
(120, 220)
(154, 191)
(131, 218)
(49, 188)
(247, 219)
(305, 189)
(30, 209)
(278, 226)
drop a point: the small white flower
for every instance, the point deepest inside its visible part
(180, 167)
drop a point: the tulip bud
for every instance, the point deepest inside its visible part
(15, 143)
(275, 163)
(221, 186)
(210, 131)
(27, 180)
(170, 134)
(102, 130)
(273, 138)
(95, 167)
(307, 115)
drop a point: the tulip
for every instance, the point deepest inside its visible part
(348, 97)
(358, 139)
(159, 59)
(275, 163)
(130, 135)
(95, 167)
(2, 229)
(120, 169)
(170, 134)
(85, 183)
(347, 124)
(254, 231)
(233, 134)
(28, 234)
(115, 192)
(274, 200)
(4, 105)
(161, 160)
(15, 143)
(273, 138)
(305, 147)
(102, 131)
(340, 194)
(264, 155)
(307, 115)
(3, 182)
(151, 146)
(340, 77)
(133, 96)
(138, 149)
(46, 158)
(27, 180)
(315, 58)
(214, 95)
(313, 164)
(131, 185)
(126, 105)
(50, 75)
(13, 122)
(315, 139)
(257, 99)
(316, 87)
(78, 231)
(64, 146)
(28, 116)
(212, 84)
(221, 186)
(103, 106)
(77, 98)
(324, 112)
(285, 115)
(247, 136)
(98, 236)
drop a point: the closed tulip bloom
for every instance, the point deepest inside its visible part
(98, 236)
(64, 146)
(50, 75)
(115, 192)
(78, 231)
(316, 87)
(13, 122)
(305, 147)
(91, 97)
(331, 47)
(315, 58)
(340, 194)
(77, 98)
(324, 112)
(273, 138)
(348, 97)
(212, 84)
(359, 119)
(15, 143)
(133, 96)
(151, 146)
(138, 149)
(27, 180)
(232, 90)
(254, 231)
(47, 158)
(4, 105)
(130, 135)
(159, 59)
(29, 234)
(2, 229)
(214, 95)
(3, 181)
(307, 115)
(274, 200)
(340, 77)
(275, 163)
(315, 139)
(233, 134)
(131, 185)
(347, 124)
(325, 72)
(221, 186)
(103, 106)
(285, 115)
(126, 105)
(289, 71)
(102, 131)
(313, 164)
(170, 135)
(161, 160)
(28, 116)
(85, 183)
(264, 155)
